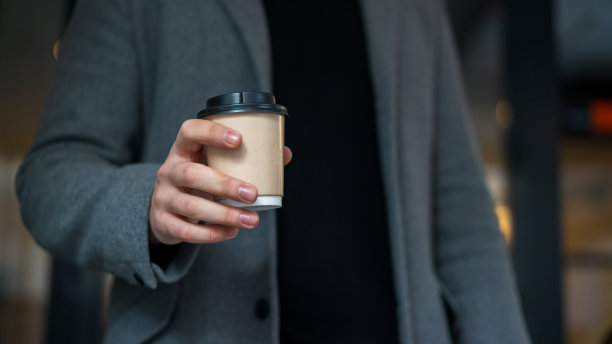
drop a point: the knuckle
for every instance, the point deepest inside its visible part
(162, 173)
(191, 207)
(216, 129)
(231, 216)
(216, 133)
(157, 199)
(186, 126)
(190, 173)
(211, 236)
(228, 185)
(184, 233)
(215, 234)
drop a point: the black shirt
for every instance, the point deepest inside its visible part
(334, 270)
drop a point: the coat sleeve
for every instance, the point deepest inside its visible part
(471, 257)
(84, 194)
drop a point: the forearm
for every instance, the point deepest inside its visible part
(83, 193)
(85, 210)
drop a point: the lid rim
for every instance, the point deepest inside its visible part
(238, 107)
(236, 110)
(242, 102)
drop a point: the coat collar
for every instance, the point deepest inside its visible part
(383, 28)
(382, 41)
(382, 23)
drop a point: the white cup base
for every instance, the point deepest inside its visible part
(261, 203)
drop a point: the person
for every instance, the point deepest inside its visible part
(387, 232)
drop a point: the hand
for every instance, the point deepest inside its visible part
(184, 188)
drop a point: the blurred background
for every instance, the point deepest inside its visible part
(538, 77)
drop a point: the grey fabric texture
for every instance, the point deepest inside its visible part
(131, 71)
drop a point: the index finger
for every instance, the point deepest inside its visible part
(197, 132)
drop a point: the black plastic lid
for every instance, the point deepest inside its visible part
(242, 102)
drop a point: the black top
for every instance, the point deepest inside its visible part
(334, 268)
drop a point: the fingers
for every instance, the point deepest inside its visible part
(200, 209)
(184, 189)
(197, 132)
(173, 230)
(174, 216)
(201, 177)
(287, 155)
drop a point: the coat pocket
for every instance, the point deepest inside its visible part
(142, 317)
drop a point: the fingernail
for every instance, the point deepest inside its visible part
(231, 232)
(232, 137)
(248, 219)
(247, 193)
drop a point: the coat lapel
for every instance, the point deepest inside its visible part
(382, 19)
(250, 20)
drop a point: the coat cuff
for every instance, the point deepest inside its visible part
(128, 252)
(178, 266)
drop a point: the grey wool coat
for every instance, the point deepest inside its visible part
(131, 71)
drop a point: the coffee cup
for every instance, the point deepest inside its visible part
(259, 159)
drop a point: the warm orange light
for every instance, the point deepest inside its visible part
(504, 217)
(56, 48)
(504, 114)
